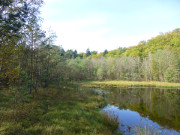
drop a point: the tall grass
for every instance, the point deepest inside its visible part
(130, 84)
(151, 131)
(65, 111)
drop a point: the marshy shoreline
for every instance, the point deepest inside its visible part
(108, 83)
(66, 109)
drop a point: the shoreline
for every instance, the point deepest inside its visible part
(116, 83)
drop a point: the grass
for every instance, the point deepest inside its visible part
(146, 130)
(130, 84)
(65, 111)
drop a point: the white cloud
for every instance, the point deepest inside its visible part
(90, 32)
(77, 35)
(104, 28)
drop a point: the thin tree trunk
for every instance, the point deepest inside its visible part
(31, 65)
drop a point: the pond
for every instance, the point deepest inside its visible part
(140, 110)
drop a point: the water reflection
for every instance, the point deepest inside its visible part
(159, 108)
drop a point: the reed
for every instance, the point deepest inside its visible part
(130, 84)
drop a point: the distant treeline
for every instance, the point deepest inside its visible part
(157, 59)
(29, 59)
(160, 66)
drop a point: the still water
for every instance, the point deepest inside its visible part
(154, 110)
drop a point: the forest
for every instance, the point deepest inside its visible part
(29, 59)
(31, 62)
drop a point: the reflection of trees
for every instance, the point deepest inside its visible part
(160, 105)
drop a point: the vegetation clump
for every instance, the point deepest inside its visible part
(130, 84)
(56, 111)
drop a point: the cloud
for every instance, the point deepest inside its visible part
(106, 25)
(78, 35)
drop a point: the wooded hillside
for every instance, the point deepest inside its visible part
(29, 59)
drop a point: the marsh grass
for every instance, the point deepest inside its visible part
(111, 122)
(104, 84)
(65, 111)
(149, 131)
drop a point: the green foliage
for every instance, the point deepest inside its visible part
(88, 53)
(105, 52)
(93, 52)
(170, 39)
(171, 75)
(153, 67)
(115, 53)
(164, 61)
(65, 111)
(15, 19)
(100, 73)
(29, 60)
(71, 54)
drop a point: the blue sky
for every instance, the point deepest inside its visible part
(108, 24)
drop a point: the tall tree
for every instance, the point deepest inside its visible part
(13, 17)
(88, 53)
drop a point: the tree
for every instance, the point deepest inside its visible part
(164, 61)
(34, 37)
(93, 52)
(105, 52)
(13, 19)
(88, 53)
(69, 54)
(75, 54)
